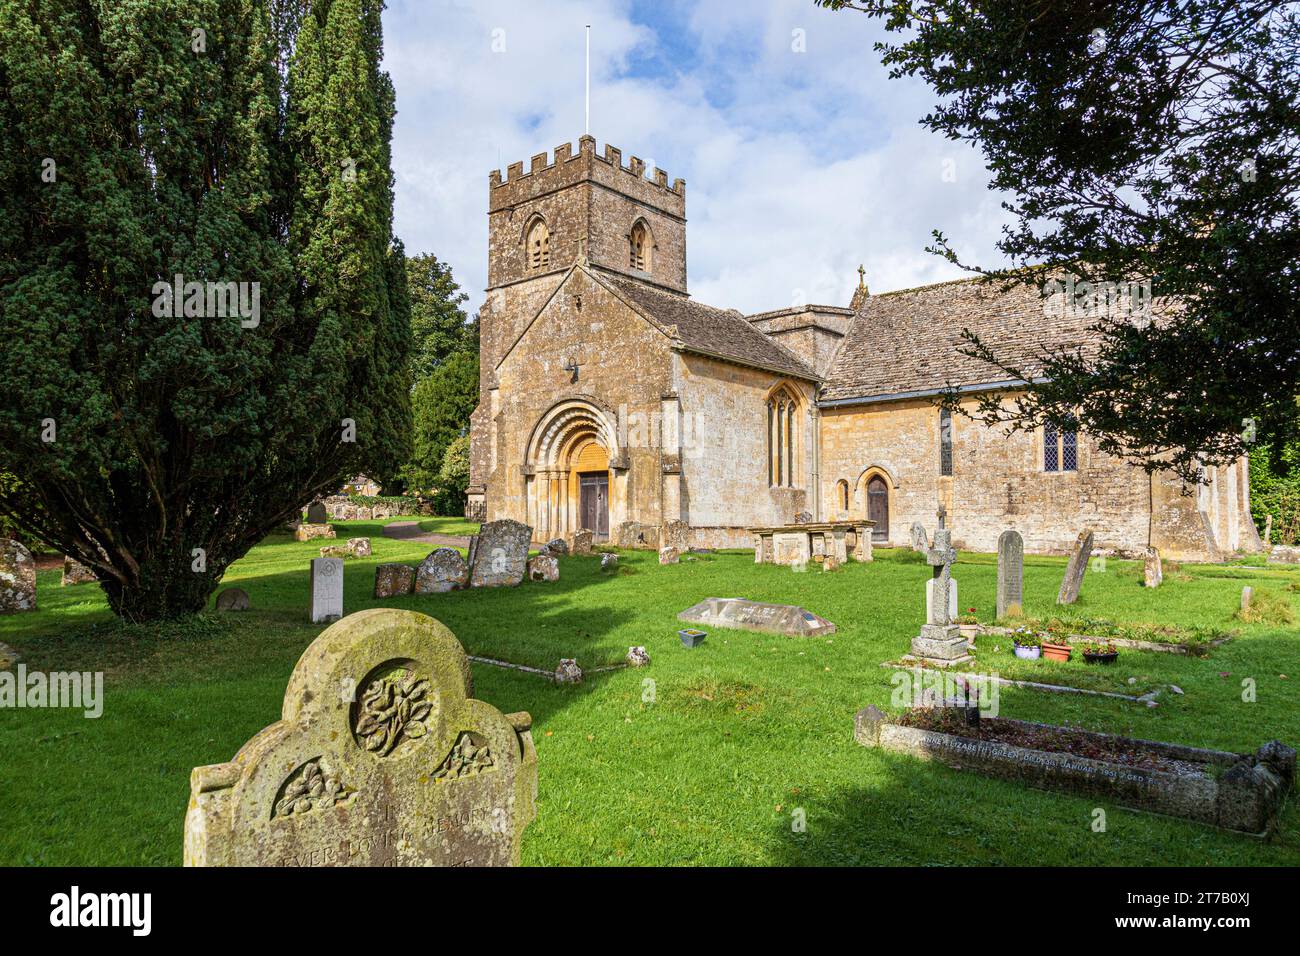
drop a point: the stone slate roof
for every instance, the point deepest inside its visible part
(718, 332)
(908, 341)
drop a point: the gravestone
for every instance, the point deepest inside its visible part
(233, 599)
(381, 758)
(756, 616)
(335, 551)
(568, 672)
(308, 532)
(609, 562)
(791, 547)
(1153, 571)
(543, 567)
(556, 546)
(638, 656)
(582, 539)
(498, 554)
(359, 547)
(930, 587)
(669, 555)
(392, 580)
(675, 534)
(862, 546)
(17, 577)
(919, 540)
(1074, 572)
(74, 572)
(317, 513)
(940, 642)
(441, 571)
(1011, 574)
(326, 589)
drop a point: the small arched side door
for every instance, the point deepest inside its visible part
(878, 509)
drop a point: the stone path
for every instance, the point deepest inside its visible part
(411, 531)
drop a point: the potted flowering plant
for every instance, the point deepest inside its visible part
(969, 624)
(1057, 650)
(1026, 645)
(1100, 652)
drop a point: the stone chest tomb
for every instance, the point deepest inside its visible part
(381, 758)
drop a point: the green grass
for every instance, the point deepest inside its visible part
(458, 526)
(700, 758)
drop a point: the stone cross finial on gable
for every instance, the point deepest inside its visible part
(862, 276)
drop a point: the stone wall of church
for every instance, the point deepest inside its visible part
(624, 370)
(724, 452)
(998, 482)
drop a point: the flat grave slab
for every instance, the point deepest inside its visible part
(746, 615)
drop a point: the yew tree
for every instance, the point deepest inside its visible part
(203, 306)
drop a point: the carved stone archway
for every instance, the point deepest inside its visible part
(570, 439)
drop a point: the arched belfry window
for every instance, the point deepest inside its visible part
(782, 438)
(639, 248)
(538, 245)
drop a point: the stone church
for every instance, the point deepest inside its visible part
(610, 400)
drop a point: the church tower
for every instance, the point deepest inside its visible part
(540, 222)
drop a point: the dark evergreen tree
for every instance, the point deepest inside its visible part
(438, 325)
(155, 437)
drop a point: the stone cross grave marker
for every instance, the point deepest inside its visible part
(1011, 573)
(940, 641)
(381, 757)
(326, 589)
(1074, 572)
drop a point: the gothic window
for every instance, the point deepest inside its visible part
(945, 442)
(842, 494)
(1060, 448)
(639, 251)
(539, 245)
(782, 442)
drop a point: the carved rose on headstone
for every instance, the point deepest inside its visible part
(392, 710)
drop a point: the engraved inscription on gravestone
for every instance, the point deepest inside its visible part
(1011, 573)
(326, 589)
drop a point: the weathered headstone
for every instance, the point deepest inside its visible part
(74, 572)
(392, 580)
(498, 554)
(1153, 571)
(17, 577)
(582, 542)
(931, 586)
(543, 567)
(317, 513)
(326, 589)
(675, 534)
(1011, 574)
(442, 570)
(233, 599)
(381, 758)
(359, 547)
(669, 555)
(568, 672)
(335, 551)
(1075, 570)
(308, 532)
(638, 656)
(556, 546)
(920, 541)
(862, 546)
(757, 616)
(609, 562)
(940, 641)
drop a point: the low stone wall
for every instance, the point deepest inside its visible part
(1242, 792)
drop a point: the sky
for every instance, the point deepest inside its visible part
(802, 159)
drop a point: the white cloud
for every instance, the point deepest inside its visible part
(798, 165)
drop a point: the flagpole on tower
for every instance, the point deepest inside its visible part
(587, 130)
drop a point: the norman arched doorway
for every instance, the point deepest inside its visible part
(568, 480)
(878, 508)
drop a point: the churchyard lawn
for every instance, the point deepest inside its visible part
(708, 756)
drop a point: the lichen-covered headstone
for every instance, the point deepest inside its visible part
(233, 599)
(17, 577)
(543, 567)
(498, 554)
(74, 572)
(638, 656)
(609, 562)
(381, 758)
(1153, 570)
(309, 532)
(669, 556)
(326, 589)
(394, 579)
(1011, 573)
(582, 542)
(920, 542)
(443, 570)
(1074, 572)
(556, 546)
(359, 547)
(568, 672)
